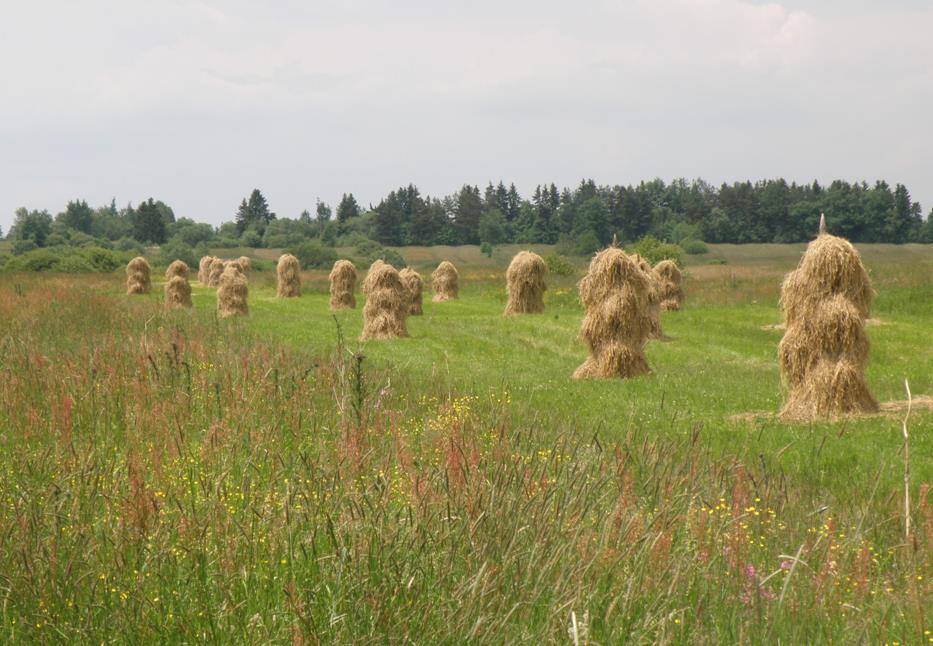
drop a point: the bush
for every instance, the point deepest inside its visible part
(67, 259)
(313, 255)
(486, 249)
(394, 258)
(224, 242)
(23, 246)
(583, 245)
(654, 251)
(99, 259)
(250, 239)
(176, 249)
(694, 247)
(130, 245)
(351, 239)
(559, 265)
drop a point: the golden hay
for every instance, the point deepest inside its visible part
(245, 263)
(445, 281)
(236, 264)
(137, 276)
(289, 278)
(177, 268)
(525, 284)
(177, 293)
(415, 284)
(232, 293)
(654, 296)
(213, 276)
(386, 306)
(670, 283)
(204, 269)
(616, 296)
(824, 351)
(343, 285)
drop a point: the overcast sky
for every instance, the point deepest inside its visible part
(196, 103)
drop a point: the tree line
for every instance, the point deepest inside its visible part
(581, 219)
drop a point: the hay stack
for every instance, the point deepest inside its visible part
(245, 263)
(232, 293)
(445, 281)
(670, 283)
(654, 295)
(236, 264)
(213, 276)
(825, 349)
(415, 285)
(616, 295)
(386, 303)
(177, 293)
(137, 276)
(289, 285)
(343, 285)
(177, 268)
(525, 284)
(204, 269)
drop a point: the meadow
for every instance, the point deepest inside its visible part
(168, 477)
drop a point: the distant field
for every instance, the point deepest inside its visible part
(178, 478)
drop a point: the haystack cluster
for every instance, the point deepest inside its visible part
(525, 284)
(445, 282)
(415, 284)
(825, 349)
(138, 276)
(386, 303)
(213, 275)
(177, 268)
(343, 285)
(204, 269)
(289, 277)
(616, 295)
(670, 283)
(232, 293)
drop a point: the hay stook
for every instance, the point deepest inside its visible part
(288, 276)
(232, 293)
(343, 281)
(387, 302)
(204, 269)
(177, 268)
(670, 285)
(415, 284)
(177, 293)
(445, 282)
(216, 270)
(525, 284)
(138, 280)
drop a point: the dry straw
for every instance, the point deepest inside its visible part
(177, 293)
(177, 268)
(415, 284)
(204, 269)
(137, 276)
(616, 296)
(525, 284)
(386, 303)
(342, 285)
(445, 281)
(289, 278)
(825, 349)
(670, 283)
(232, 293)
(653, 295)
(213, 276)
(245, 263)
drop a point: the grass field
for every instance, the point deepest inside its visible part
(169, 477)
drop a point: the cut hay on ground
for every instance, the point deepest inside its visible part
(670, 283)
(617, 323)
(204, 269)
(177, 268)
(445, 282)
(343, 285)
(525, 284)
(177, 293)
(232, 293)
(415, 284)
(825, 349)
(289, 276)
(386, 303)
(138, 276)
(213, 276)
(245, 263)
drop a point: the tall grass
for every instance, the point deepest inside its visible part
(168, 477)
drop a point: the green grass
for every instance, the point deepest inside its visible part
(170, 477)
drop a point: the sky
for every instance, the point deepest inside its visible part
(197, 103)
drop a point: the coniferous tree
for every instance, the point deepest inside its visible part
(148, 224)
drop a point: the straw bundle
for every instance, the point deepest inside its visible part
(213, 276)
(616, 296)
(653, 295)
(177, 293)
(525, 284)
(177, 268)
(204, 269)
(445, 281)
(245, 263)
(343, 285)
(289, 278)
(670, 282)
(415, 284)
(137, 276)
(386, 303)
(232, 293)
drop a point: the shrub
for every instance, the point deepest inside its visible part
(351, 239)
(694, 247)
(584, 244)
(250, 239)
(486, 249)
(225, 242)
(313, 255)
(654, 251)
(558, 265)
(176, 249)
(21, 247)
(130, 245)
(102, 260)
(67, 259)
